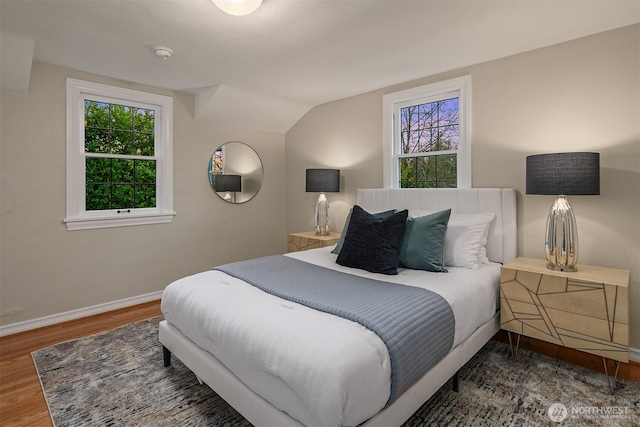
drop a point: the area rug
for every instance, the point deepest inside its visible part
(117, 378)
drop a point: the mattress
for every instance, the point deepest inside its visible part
(321, 369)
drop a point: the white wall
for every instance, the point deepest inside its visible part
(581, 95)
(47, 270)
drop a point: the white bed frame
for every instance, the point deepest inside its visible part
(501, 247)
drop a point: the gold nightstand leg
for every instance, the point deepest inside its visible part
(514, 354)
(615, 377)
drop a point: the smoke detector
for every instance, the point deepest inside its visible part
(163, 52)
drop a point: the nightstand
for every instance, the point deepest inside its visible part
(308, 240)
(587, 310)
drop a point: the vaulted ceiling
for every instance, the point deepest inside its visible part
(266, 69)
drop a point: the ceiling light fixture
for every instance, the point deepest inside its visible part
(238, 7)
(163, 52)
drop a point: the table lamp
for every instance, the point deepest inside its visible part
(561, 175)
(227, 184)
(323, 181)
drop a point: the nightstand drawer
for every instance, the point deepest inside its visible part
(587, 310)
(309, 240)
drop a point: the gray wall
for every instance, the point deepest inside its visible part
(581, 95)
(47, 270)
(576, 96)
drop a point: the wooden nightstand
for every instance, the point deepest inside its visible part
(587, 310)
(309, 240)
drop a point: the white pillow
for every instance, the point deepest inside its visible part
(482, 255)
(487, 219)
(466, 238)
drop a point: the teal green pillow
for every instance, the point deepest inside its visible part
(380, 215)
(423, 242)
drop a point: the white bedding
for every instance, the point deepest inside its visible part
(321, 369)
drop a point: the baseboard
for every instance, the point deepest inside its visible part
(634, 354)
(28, 325)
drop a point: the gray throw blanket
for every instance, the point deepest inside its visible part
(416, 325)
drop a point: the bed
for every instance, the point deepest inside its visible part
(246, 346)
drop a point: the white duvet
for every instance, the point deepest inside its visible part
(321, 369)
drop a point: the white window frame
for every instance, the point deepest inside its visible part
(391, 103)
(77, 217)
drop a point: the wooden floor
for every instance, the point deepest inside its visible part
(22, 402)
(628, 371)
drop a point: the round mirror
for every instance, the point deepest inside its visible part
(235, 172)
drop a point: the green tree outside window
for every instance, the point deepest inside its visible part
(430, 132)
(119, 145)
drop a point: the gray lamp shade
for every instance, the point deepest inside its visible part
(230, 183)
(323, 180)
(564, 174)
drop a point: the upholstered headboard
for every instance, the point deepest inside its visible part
(502, 241)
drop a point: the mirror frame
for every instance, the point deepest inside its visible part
(248, 166)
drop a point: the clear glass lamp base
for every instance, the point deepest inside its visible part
(561, 237)
(322, 216)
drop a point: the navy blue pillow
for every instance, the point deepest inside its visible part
(372, 243)
(338, 247)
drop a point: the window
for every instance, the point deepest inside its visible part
(215, 165)
(427, 136)
(119, 157)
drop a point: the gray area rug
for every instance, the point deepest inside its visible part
(117, 378)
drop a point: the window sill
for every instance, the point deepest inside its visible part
(108, 222)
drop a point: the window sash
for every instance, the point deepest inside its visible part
(121, 102)
(425, 170)
(135, 178)
(427, 154)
